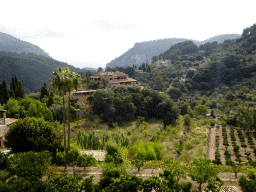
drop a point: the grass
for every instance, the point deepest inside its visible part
(194, 145)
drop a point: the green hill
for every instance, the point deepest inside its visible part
(31, 69)
(12, 44)
(204, 67)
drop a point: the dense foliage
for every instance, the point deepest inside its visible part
(183, 48)
(22, 64)
(32, 134)
(128, 102)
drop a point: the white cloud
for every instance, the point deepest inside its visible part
(104, 24)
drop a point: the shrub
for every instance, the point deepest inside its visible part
(187, 120)
(81, 160)
(69, 158)
(31, 134)
(113, 154)
(30, 163)
(60, 158)
(243, 145)
(144, 150)
(4, 161)
(247, 154)
(186, 186)
(91, 161)
(236, 148)
(87, 184)
(4, 174)
(72, 155)
(247, 185)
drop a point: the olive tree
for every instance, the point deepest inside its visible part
(202, 172)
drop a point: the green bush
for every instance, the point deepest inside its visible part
(32, 134)
(67, 158)
(81, 160)
(72, 155)
(187, 120)
(4, 174)
(91, 161)
(30, 164)
(144, 150)
(186, 186)
(113, 154)
(4, 161)
(243, 145)
(249, 184)
(60, 158)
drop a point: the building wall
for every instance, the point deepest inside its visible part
(3, 130)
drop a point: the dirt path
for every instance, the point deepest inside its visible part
(230, 182)
(211, 143)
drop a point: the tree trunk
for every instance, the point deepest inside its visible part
(64, 120)
(200, 187)
(68, 121)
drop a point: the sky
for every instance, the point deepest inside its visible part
(92, 33)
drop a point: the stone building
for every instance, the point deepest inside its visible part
(112, 79)
(161, 63)
(4, 127)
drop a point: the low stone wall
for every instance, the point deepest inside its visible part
(99, 155)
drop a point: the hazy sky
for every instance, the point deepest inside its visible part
(92, 33)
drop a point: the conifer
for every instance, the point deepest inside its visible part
(5, 92)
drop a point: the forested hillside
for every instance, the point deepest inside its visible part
(144, 51)
(204, 68)
(31, 69)
(9, 43)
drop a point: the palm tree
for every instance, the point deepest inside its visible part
(59, 81)
(73, 82)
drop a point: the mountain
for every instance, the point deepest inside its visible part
(31, 69)
(89, 69)
(144, 51)
(9, 43)
(32, 65)
(219, 38)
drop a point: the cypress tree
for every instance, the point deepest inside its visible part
(50, 101)
(16, 90)
(5, 92)
(13, 87)
(20, 91)
(1, 95)
(44, 91)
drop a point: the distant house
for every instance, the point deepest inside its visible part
(4, 126)
(161, 63)
(113, 79)
(139, 71)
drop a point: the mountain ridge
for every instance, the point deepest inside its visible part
(12, 44)
(143, 52)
